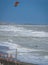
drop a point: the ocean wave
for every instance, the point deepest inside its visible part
(25, 57)
(21, 31)
(13, 46)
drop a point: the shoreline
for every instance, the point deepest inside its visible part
(10, 62)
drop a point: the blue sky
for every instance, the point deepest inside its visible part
(28, 11)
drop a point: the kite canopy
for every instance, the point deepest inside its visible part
(16, 4)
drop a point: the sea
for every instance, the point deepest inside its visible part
(26, 43)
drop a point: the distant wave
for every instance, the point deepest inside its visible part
(21, 31)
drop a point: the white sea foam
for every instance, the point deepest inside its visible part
(9, 30)
(25, 57)
(13, 46)
(21, 31)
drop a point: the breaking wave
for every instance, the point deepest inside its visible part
(21, 31)
(25, 57)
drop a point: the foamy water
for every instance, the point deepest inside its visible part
(20, 31)
(25, 39)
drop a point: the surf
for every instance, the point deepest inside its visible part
(21, 31)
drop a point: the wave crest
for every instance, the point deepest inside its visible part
(21, 31)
